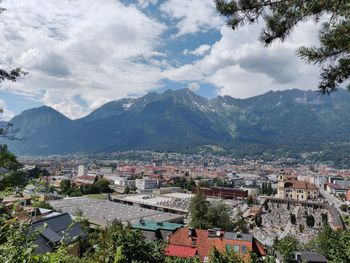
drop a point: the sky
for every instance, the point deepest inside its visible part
(81, 54)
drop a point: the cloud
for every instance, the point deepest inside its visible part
(193, 86)
(192, 16)
(6, 114)
(101, 50)
(239, 65)
(199, 51)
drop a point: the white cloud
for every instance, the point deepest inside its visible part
(6, 114)
(240, 66)
(199, 51)
(193, 86)
(192, 16)
(96, 49)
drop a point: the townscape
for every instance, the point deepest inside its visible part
(263, 202)
(175, 131)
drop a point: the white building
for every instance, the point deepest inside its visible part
(81, 170)
(146, 184)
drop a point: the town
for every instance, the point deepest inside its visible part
(265, 201)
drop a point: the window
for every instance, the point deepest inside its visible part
(236, 248)
(244, 249)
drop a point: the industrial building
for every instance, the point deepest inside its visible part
(104, 212)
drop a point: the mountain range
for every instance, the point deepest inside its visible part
(176, 120)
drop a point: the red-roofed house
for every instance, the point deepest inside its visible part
(85, 180)
(187, 242)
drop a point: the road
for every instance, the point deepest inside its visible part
(332, 200)
(289, 224)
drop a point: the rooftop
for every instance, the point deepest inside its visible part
(154, 226)
(103, 212)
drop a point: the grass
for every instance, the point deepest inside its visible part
(97, 196)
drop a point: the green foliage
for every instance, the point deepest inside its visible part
(198, 210)
(229, 256)
(286, 246)
(98, 187)
(324, 217)
(65, 186)
(217, 217)
(293, 218)
(344, 207)
(42, 204)
(266, 205)
(102, 186)
(334, 245)
(258, 221)
(37, 172)
(7, 159)
(310, 220)
(205, 215)
(266, 189)
(249, 200)
(281, 17)
(13, 179)
(240, 224)
(105, 243)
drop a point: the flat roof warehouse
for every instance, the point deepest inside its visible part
(103, 212)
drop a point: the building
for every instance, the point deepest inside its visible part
(348, 195)
(55, 229)
(223, 192)
(85, 180)
(290, 188)
(81, 170)
(302, 256)
(152, 230)
(103, 212)
(146, 184)
(187, 242)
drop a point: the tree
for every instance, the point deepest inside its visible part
(282, 16)
(13, 179)
(249, 200)
(258, 221)
(266, 205)
(65, 186)
(7, 159)
(103, 186)
(228, 256)
(344, 207)
(240, 223)
(301, 228)
(334, 245)
(37, 172)
(310, 220)
(286, 246)
(218, 217)
(324, 218)
(269, 189)
(293, 218)
(198, 210)
(104, 246)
